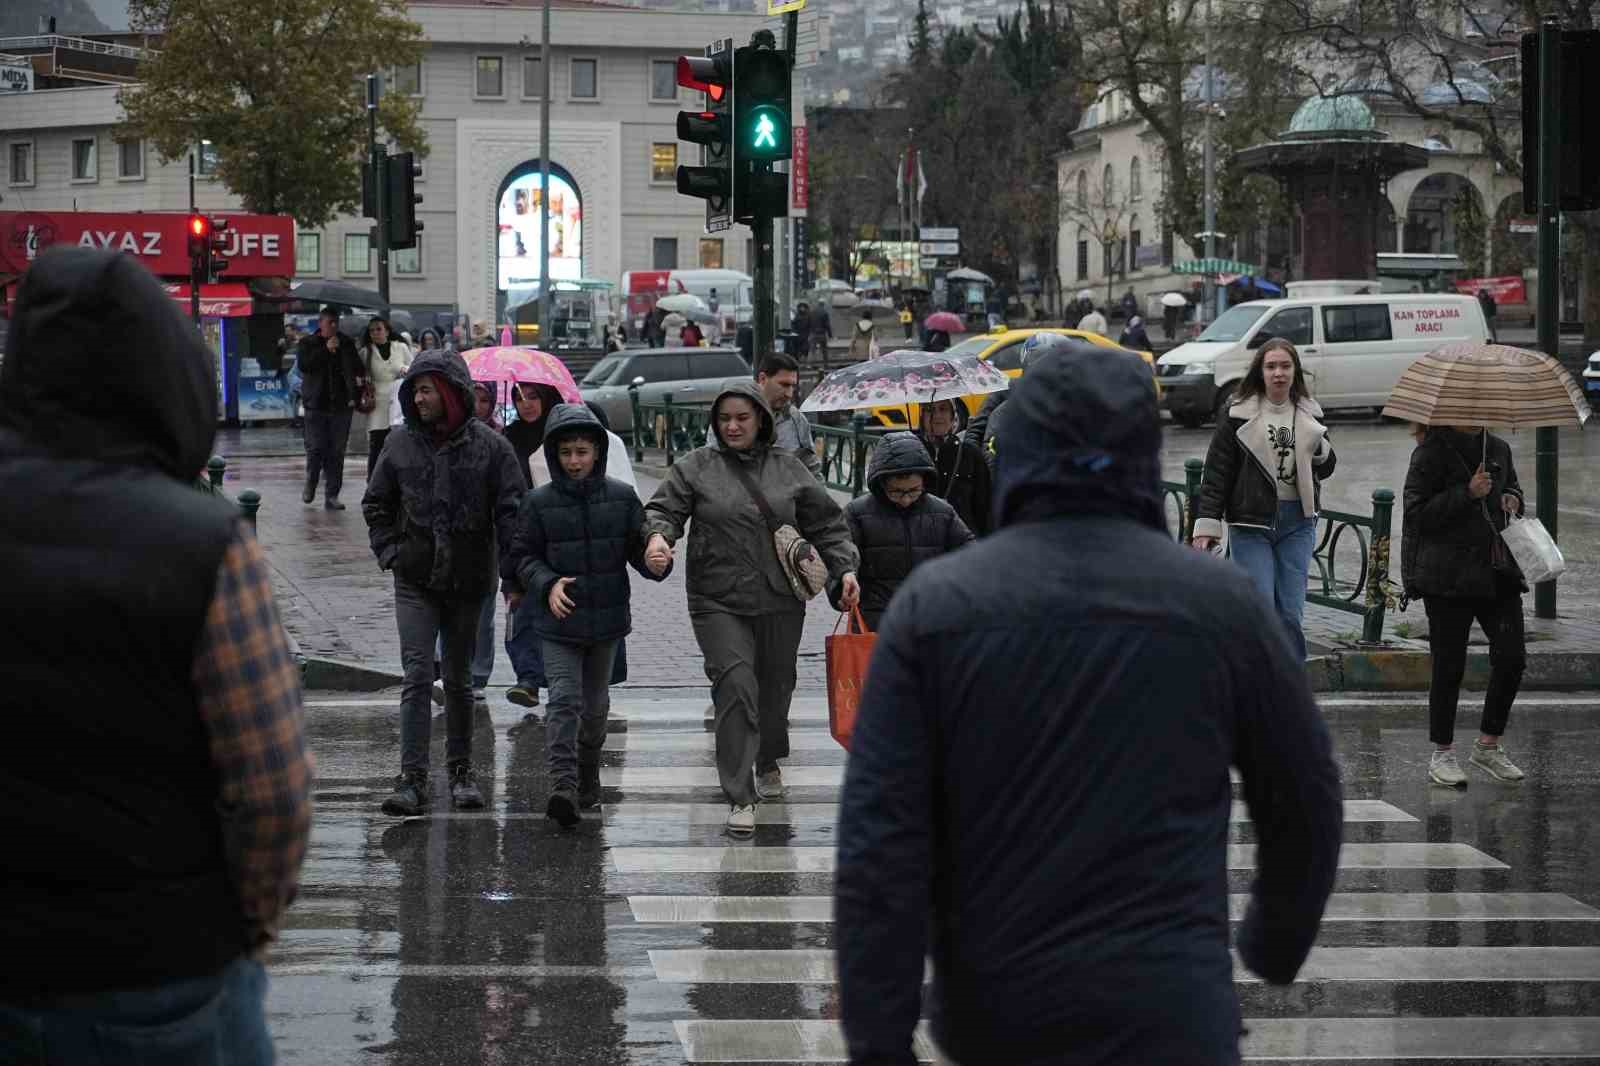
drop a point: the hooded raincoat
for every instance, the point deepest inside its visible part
(892, 539)
(433, 504)
(732, 564)
(591, 530)
(1062, 856)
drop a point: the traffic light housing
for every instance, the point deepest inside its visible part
(710, 128)
(761, 104)
(216, 244)
(400, 190)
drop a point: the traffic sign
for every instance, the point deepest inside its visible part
(783, 7)
(940, 233)
(941, 248)
(928, 262)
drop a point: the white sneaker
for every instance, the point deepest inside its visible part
(1493, 761)
(1444, 770)
(770, 784)
(742, 819)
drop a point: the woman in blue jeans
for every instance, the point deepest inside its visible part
(1264, 475)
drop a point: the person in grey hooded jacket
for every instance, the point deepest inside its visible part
(746, 618)
(443, 487)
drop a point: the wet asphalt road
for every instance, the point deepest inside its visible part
(1465, 929)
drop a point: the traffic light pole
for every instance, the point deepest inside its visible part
(763, 327)
(1545, 447)
(194, 274)
(380, 192)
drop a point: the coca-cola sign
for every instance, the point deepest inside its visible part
(256, 245)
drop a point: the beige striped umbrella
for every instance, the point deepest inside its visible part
(1493, 385)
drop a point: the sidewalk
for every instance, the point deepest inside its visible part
(338, 606)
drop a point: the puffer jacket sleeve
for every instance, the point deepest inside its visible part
(956, 534)
(1222, 467)
(534, 574)
(381, 507)
(822, 522)
(1432, 501)
(670, 509)
(882, 886)
(1291, 786)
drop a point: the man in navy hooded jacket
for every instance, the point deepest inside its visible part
(1038, 797)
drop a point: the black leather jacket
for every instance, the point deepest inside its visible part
(1238, 489)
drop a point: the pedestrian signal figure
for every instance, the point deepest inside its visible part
(1460, 492)
(575, 538)
(1264, 474)
(1077, 646)
(156, 770)
(899, 524)
(741, 492)
(444, 492)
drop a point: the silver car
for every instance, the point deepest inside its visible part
(688, 375)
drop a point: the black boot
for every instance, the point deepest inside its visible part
(464, 788)
(310, 492)
(410, 797)
(562, 809)
(588, 785)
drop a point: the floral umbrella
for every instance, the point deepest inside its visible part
(525, 365)
(902, 378)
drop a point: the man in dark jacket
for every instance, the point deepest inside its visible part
(156, 776)
(576, 537)
(1461, 490)
(444, 488)
(1066, 849)
(899, 524)
(331, 380)
(822, 327)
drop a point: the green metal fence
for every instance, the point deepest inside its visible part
(1369, 592)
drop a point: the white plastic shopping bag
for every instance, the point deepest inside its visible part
(1533, 549)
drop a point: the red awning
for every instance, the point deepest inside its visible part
(226, 300)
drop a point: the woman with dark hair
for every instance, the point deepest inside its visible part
(1264, 475)
(534, 404)
(961, 474)
(386, 358)
(427, 341)
(1461, 491)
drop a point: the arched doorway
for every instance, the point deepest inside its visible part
(1431, 215)
(518, 255)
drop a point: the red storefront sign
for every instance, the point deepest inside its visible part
(1505, 290)
(800, 170)
(257, 245)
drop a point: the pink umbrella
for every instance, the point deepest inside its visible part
(505, 336)
(526, 365)
(945, 321)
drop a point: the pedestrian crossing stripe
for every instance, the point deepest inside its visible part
(819, 814)
(774, 860)
(1342, 907)
(1377, 965)
(1499, 1039)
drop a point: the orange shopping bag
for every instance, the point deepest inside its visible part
(848, 654)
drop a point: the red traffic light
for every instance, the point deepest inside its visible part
(200, 225)
(707, 74)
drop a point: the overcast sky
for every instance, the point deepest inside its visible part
(114, 13)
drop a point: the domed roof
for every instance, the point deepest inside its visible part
(1332, 114)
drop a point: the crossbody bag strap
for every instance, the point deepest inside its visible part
(750, 486)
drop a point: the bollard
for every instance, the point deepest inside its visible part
(1378, 566)
(858, 454)
(638, 423)
(249, 504)
(1193, 471)
(216, 466)
(667, 401)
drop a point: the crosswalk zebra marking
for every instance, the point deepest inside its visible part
(760, 860)
(1342, 907)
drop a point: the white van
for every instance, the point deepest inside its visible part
(1353, 347)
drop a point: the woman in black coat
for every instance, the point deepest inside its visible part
(961, 473)
(898, 524)
(1460, 492)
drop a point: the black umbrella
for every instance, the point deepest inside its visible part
(333, 292)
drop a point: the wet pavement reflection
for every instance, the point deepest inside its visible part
(639, 938)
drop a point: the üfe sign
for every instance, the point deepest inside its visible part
(257, 245)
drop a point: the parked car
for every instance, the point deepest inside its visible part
(688, 375)
(1354, 348)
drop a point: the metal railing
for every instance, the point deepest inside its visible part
(77, 44)
(1369, 593)
(675, 429)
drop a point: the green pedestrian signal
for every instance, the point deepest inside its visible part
(764, 133)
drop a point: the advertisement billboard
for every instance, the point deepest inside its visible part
(518, 220)
(1505, 290)
(257, 245)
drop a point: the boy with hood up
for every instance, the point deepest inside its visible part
(444, 486)
(575, 538)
